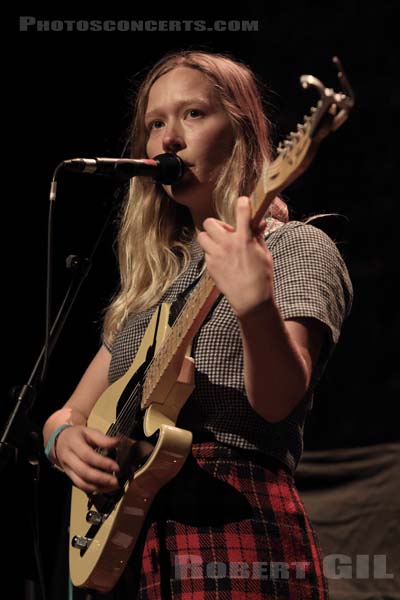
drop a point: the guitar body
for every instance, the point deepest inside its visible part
(104, 528)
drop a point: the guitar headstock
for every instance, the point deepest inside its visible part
(335, 104)
(298, 149)
(331, 111)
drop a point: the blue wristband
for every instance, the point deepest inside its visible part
(53, 438)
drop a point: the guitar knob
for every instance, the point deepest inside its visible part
(81, 542)
(94, 517)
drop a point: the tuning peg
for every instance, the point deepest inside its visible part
(280, 148)
(288, 143)
(295, 136)
(311, 81)
(345, 84)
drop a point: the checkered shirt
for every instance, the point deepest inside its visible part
(310, 280)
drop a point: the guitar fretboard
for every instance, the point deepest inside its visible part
(182, 332)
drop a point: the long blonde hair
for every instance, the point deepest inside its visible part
(155, 232)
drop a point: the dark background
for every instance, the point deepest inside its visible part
(68, 95)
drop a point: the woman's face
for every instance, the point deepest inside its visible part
(183, 116)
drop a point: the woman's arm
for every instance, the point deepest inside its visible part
(76, 445)
(278, 355)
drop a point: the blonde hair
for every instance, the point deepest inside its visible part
(155, 232)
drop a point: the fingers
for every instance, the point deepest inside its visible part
(206, 242)
(85, 448)
(89, 479)
(243, 221)
(214, 232)
(243, 218)
(216, 228)
(96, 439)
(88, 468)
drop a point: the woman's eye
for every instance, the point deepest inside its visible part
(194, 112)
(156, 125)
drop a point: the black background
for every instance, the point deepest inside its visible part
(67, 94)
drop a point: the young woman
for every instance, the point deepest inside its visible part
(231, 525)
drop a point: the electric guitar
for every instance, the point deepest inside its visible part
(143, 406)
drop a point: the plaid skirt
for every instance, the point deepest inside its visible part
(230, 526)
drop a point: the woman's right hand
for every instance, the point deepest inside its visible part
(89, 470)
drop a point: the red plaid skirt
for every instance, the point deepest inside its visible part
(230, 526)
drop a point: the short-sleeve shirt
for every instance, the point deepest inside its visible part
(310, 280)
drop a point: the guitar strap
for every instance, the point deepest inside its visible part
(180, 302)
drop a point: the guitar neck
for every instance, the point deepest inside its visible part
(181, 333)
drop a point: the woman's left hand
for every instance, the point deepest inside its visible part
(238, 261)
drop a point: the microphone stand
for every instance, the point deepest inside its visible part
(21, 440)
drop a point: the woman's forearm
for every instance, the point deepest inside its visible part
(276, 374)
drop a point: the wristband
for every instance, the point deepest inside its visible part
(53, 438)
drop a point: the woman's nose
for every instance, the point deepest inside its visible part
(173, 139)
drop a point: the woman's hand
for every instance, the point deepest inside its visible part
(89, 470)
(239, 262)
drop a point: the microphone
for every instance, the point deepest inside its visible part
(165, 168)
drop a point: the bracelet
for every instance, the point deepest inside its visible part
(53, 439)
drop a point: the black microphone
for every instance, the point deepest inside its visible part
(165, 168)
